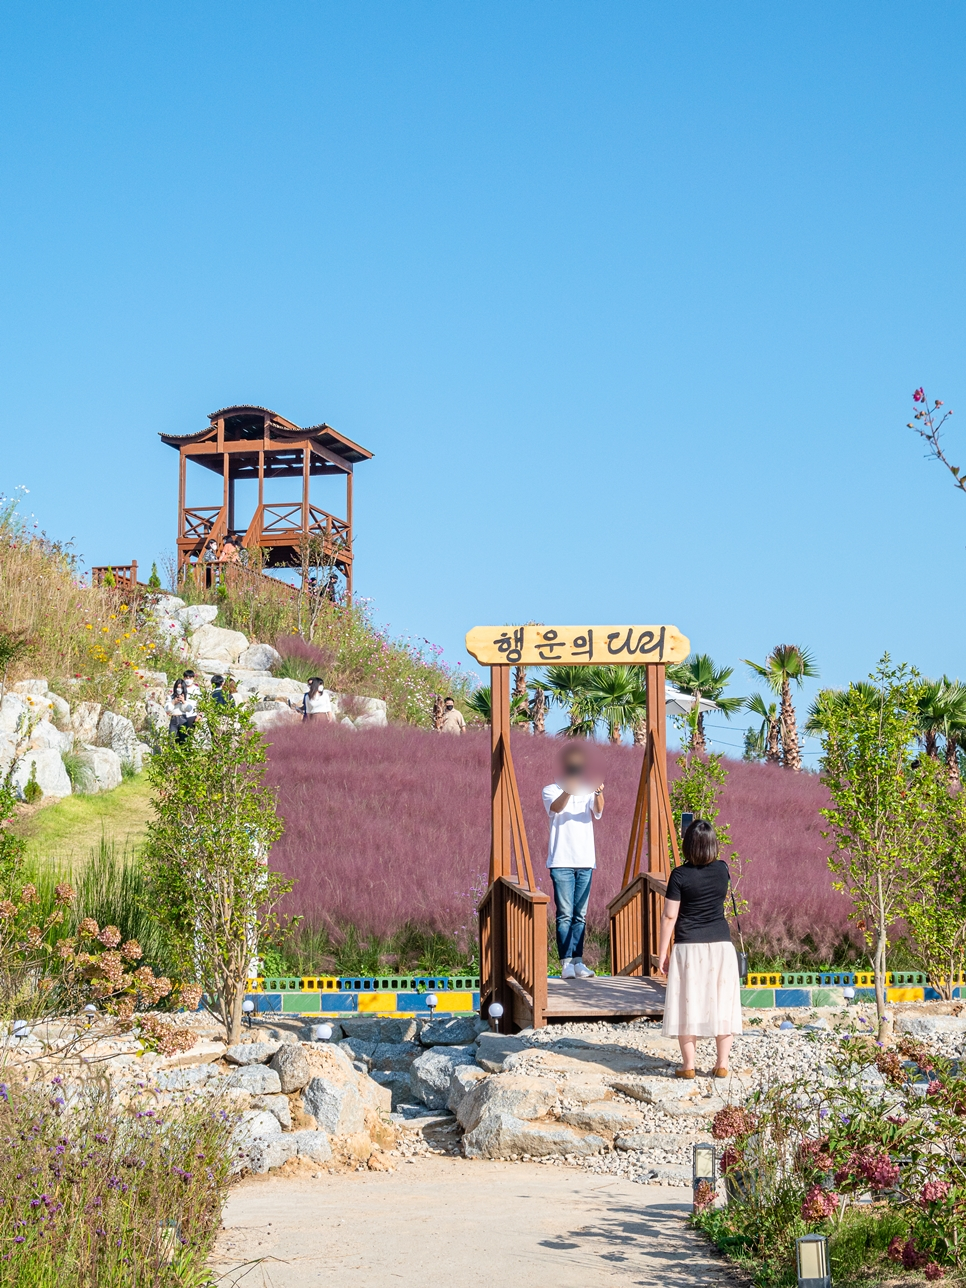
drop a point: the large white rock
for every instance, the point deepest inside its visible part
(501, 1135)
(337, 1108)
(259, 657)
(8, 750)
(264, 1155)
(165, 606)
(84, 720)
(271, 689)
(51, 775)
(363, 713)
(158, 718)
(103, 768)
(153, 679)
(274, 714)
(508, 1093)
(59, 710)
(45, 734)
(117, 732)
(312, 1144)
(196, 615)
(218, 645)
(932, 1026)
(37, 688)
(14, 714)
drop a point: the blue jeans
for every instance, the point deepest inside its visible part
(571, 894)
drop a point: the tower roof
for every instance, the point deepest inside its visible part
(250, 421)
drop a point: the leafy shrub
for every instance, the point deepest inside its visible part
(97, 1198)
(31, 790)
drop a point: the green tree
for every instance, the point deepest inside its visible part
(885, 817)
(480, 701)
(615, 696)
(763, 743)
(566, 687)
(787, 664)
(208, 875)
(154, 581)
(936, 912)
(700, 677)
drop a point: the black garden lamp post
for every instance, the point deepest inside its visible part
(703, 1169)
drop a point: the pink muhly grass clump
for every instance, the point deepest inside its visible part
(391, 826)
(294, 646)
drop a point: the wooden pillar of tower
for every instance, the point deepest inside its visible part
(348, 515)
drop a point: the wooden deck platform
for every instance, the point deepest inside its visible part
(605, 998)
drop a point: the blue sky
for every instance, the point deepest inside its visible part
(628, 299)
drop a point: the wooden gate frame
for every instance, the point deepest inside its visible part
(512, 913)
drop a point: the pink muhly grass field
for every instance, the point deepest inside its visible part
(391, 826)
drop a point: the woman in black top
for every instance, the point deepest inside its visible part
(703, 998)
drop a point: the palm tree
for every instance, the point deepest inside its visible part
(481, 701)
(566, 687)
(817, 721)
(699, 676)
(617, 696)
(933, 713)
(784, 664)
(764, 741)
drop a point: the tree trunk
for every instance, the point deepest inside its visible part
(774, 753)
(952, 763)
(698, 743)
(792, 758)
(235, 1014)
(615, 732)
(929, 740)
(437, 712)
(640, 733)
(519, 682)
(539, 712)
(879, 960)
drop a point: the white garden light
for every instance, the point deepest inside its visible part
(494, 1011)
(321, 1032)
(90, 1013)
(248, 1006)
(848, 993)
(21, 1029)
(813, 1267)
(432, 1001)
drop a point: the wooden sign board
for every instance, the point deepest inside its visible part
(576, 645)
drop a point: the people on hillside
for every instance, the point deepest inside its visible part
(218, 693)
(316, 703)
(192, 687)
(703, 998)
(229, 551)
(211, 552)
(182, 711)
(451, 721)
(572, 805)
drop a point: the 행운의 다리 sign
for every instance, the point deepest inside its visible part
(576, 645)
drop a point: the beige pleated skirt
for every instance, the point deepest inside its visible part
(703, 991)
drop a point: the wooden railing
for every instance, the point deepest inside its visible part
(125, 575)
(513, 953)
(212, 573)
(635, 926)
(204, 523)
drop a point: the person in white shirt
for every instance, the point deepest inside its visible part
(572, 806)
(182, 710)
(316, 704)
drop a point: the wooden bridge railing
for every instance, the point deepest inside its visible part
(513, 952)
(635, 926)
(125, 575)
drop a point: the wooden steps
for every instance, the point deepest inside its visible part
(607, 997)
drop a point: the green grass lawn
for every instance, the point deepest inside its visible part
(69, 829)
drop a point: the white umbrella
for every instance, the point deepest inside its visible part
(680, 704)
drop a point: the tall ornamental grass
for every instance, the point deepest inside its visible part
(390, 828)
(95, 1197)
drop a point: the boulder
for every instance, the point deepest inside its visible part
(337, 1108)
(661, 1140)
(59, 710)
(195, 615)
(255, 1079)
(358, 1051)
(394, 1057)
(272, 689)
(14, 714)
(165, 606)
(117, 732)
(267, 714)
(38, 688)
(8, 752)
(501, 1135)
(277, 1105)
(51, 775)
(102, 768)
(361, 713)
(292, 1067)
(253, 1125)
(397, 1084)
(508, 1093)
(218, 645)
(153, 679)
(431, 1073)
(84, 721)
(183, 1079)
(606, 1117)
(493, 1048)
(312, 1144)
(44, 735)
(463, 1082)
(158, 718)
(457, 1031)
(264, 1155)
(251, 1052)
(259, 657)
(932, 1026)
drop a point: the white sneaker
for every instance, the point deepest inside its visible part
(582, 971)
(567, 971)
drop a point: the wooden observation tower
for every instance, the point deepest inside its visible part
(253, 443)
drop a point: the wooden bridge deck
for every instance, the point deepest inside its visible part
(604, 998)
